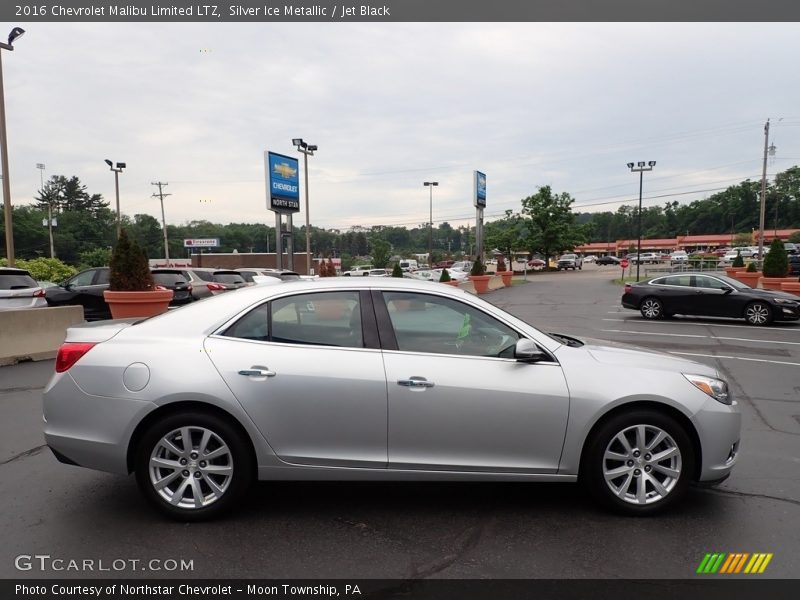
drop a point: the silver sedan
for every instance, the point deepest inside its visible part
(379, 379)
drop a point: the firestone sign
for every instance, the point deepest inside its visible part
(201, 243)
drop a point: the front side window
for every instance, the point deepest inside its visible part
(437, 325)
(324, 319)
(82, 279)
(102, 276)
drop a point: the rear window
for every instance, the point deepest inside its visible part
(228, 278)
(16, 281)
(204, 275)
(169, 278)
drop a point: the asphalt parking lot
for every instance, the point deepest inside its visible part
(401, 530)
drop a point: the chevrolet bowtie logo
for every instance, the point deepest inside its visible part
(284, 170)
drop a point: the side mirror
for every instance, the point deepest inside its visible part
(528, 351)
(727, 290)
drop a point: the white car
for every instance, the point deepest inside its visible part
(679, 256)
(589, 259)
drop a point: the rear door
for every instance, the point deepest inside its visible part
(676, 293)
(311, 377)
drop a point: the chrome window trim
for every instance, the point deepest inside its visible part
(553, 362)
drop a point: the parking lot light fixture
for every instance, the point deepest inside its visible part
(306, 149)
(640, 168)
(117, 171)
(430, 185)
(15, 34)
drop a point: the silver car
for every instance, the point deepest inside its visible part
(19, 290)
(379, 379)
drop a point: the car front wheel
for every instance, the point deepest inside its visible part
(193, 466)
(758, 313)
(638, 463)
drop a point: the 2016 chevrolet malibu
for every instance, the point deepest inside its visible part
(378, 379)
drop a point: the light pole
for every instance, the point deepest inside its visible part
(117, 171)
(640, 168)
(430, 185)
(306, 149)
(15, 34)
(40, 166)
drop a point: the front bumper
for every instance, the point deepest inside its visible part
(719, 429)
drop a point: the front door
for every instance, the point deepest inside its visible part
(458, 400)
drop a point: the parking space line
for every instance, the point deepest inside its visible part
(762, 360)
(713, 337)
(648, 322)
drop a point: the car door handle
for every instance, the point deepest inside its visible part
(257, 372)
(416, 382)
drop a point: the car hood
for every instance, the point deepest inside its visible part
(625, 355)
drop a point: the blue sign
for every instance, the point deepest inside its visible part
(480, 189)
(283, 183)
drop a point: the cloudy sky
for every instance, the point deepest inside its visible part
(393, 105)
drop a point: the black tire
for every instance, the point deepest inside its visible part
(651, 308)
(594, 466)
(238, 458)
(758, 314)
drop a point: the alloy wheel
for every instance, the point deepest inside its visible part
(651, 308)
(191, 467)
(757, 314)
(642, 464)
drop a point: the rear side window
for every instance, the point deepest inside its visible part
(324, 319)
(681, 280)
(253, 326)
(204, 275)
(169, 278)
(228, 278)
(16, 281)
(102, 276)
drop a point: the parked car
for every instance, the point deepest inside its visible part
(794, 264)
(19, 290)
(83, 289)
(381, 273)
(175, 281)
(418, 381)
(536, 264)
(679, 257)
(569, 261)
(608, 260)
(645, 258)
(226, 280)
(248, 273)
(589, 259)
(700, 294)
(790, 248)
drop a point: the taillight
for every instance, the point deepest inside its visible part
(189, 288)
(215, 287)
(70, 353)
(39, 293)
(627, 288)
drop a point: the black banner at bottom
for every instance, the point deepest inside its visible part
(720, 588)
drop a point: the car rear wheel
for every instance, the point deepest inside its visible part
(758, 313)
(638, 463)
(651, 308)
(193, 466)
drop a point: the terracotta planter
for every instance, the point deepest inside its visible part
(481, 283)
(452, 282)
(506, 275)
(746, 278)
(137, 304)
(792, 287)
(731, 271)
(774, 283)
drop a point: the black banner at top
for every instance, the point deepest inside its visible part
(399, 10)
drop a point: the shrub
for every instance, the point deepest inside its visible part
(45, 269)
(477, 268)
(751, 268)
(776, 263)
(130, 271)
(444, 277)
(501, 264)
(397, 271)
(738, 261)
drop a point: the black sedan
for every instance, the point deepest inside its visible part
(84, 289)
(607, 260)
(701, 294)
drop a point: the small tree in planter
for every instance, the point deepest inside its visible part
(479, 277)
(397, 271)
(503, 271)
(775, 266)
(444, 277)
(750, 276)
(776, 263)
(738, 261)
(501, 265)
(751, 268)
(131, 290)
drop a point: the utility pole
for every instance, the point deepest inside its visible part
(160, 195)
(763, 196)
(41, 168)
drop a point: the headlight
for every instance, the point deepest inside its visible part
(716, 388)
(785, 301)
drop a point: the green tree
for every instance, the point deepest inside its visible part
(550, 222)
(380, 253)
(99, 257)
(129, 267)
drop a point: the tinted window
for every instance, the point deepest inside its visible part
(682, 280)
(228, 278)
(169, 278)
(439, 325)
(247, 275)
(326, 319)
(204, 275)
(702, 281)
(16, 281)
(252, 326)
(102, 276)
(82, 279)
